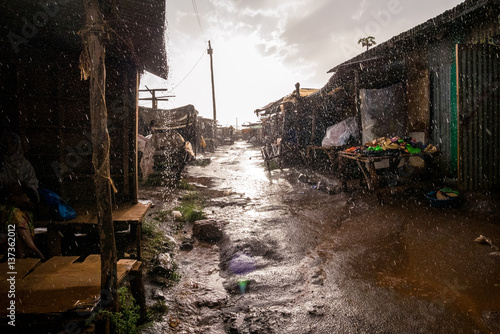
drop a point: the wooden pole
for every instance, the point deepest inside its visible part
(356, 105)
(92, 62)
(210, 52)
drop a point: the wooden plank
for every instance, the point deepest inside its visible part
(133, 213)
(92, 258)
(21, 267)
(129, 213)
(53, 264)
(67, 286)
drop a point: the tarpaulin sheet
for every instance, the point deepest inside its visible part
(340, 133)
(383, 112)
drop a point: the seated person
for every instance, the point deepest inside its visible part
(18, 196)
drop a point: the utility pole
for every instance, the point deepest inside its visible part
(210, 51)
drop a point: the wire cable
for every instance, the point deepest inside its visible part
(191, 70)
(197, 13)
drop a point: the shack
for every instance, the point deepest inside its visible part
(205, 129)
(80, 135)
(182, 119)
(169, 136)
(437, 82)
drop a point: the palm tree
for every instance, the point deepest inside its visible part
(367, 41)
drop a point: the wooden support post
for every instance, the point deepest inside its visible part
(135, 162)
(93, 65)
(356, 105)
(126, 138)
(313, 126)
(137, 289)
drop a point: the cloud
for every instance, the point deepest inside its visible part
(269, 45)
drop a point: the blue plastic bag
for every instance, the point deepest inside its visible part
(59, 208)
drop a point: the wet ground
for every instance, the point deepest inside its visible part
(298, 260)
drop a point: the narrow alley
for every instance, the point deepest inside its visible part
(297, 260)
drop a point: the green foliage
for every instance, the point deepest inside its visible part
(202, 162)
(162, 215)
(367, 41)
(193, 197)
(191, 211)
(184, 185)
(153, 235)
(149, 227)
(191, 208)
(159, 307)
(125, 320)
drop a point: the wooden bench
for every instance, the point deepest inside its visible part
(130, 215)
(61, 287)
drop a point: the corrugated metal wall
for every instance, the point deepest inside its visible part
(443, 132)
(479, 102)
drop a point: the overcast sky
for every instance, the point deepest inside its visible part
(261, 48)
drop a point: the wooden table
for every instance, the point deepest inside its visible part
(366, 164)
(130, 215)
(60, 285)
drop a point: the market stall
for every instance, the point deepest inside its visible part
(393, 156)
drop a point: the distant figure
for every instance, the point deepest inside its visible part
(149, 128)
(18, 197)
(203, 144)
(189, 152)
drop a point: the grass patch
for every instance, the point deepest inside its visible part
(125, 320)
(192, 212)
(154, 239)
(159, 307)
(193, 197)
(191, 208)
(184, 185)
(161, 216)
(202, 162)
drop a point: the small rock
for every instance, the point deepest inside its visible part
(176, 214)
(207, 230)
(164, 264)
(316, 310)
(157, 294)
(186, 244)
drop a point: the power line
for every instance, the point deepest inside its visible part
(195, 7)
(191, 70)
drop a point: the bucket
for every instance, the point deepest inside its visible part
(439, 203)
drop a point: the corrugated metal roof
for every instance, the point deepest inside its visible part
(136, 28)
(429, 30)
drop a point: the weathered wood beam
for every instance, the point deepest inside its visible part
(92, 63)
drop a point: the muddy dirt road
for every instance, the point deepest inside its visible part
(297, 260)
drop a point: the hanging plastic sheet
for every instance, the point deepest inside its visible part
(340, 133)
(383, 112)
